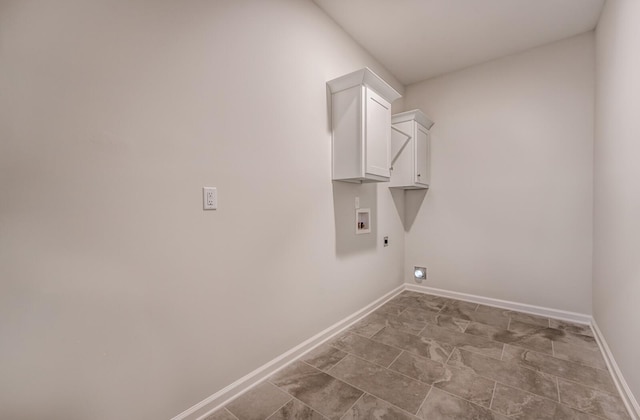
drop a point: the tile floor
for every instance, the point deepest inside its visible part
(427, 357)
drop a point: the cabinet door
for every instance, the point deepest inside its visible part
(377, 134)
(422, 155)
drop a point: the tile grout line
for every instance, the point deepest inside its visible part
(462, 398)
(364, 336)
(464, 330)
(547, 355)
(392, 371)
(549, 399)
(293, 397)
(557, 378)
(493, 394)
(309, 407)
(424, 328)
(403, 311)
(448, 392)
(232, 415)
(393, 361)
(523, 366)
(446, 362)
(538, 371)
(353, 405)
(511, 386)
(549, 318)
(564, 378)
(613, 394)
(410, 352)
(423, 401)
(498, 342)
(558, 388)
(325, 370)
(279, 408)
(557, 402)
(433, 385)
(366, 360)
(380, 398)
(556, 357)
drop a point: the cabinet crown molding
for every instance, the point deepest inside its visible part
(367, 78)
(414, 114)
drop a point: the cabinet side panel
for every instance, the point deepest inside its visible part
(346, 134)
(423, 146)
(402, 173)
(377, 135)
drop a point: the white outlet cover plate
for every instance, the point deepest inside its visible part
(210, 198)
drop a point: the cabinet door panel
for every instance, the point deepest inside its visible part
(378, 133)
(422, 156)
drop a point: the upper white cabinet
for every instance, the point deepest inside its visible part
(361, 127)
(410, 150)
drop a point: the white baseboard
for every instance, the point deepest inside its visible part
(629, 399)
(202, 409)
(244, 384)
(505, 304)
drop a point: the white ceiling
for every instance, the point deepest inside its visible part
(419, 39)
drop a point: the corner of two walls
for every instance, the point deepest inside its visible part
(114, 278)
(508, 214)
(616, 268)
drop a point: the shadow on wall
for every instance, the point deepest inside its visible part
(408, 204)
(412, 202)
(344, 195)
(397, 194)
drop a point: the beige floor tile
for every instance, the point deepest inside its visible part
(592, 401)
(441, 405)
(371, 408)
(320, 391)
(533, 340)
(422, 346)
(258, 403)
(388, 385)
(324, 357)
(571, 327)
(456, 381)
(579, 354)
(463, 340)
(296, 410)
(507, 373)
(596, 378)
(365, 348)
(521, 405)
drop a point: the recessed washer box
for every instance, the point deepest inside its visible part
(363, 221)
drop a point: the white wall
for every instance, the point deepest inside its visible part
(509, 211)
(119, 297)
(616, 262)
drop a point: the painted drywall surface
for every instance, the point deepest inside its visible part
(616, 266)
(119, 296)
(509, 211)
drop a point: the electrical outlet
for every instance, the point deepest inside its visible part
(210, 198)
